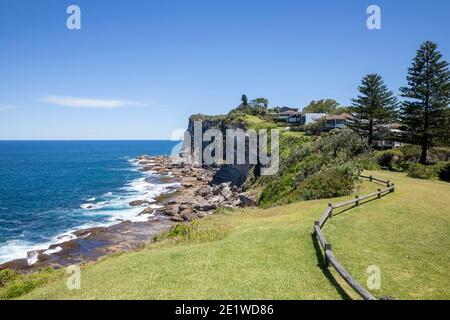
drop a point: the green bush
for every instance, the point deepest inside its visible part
(15, 284)
(411, 154)
(329, 183)
(322, 168)
(436, 171)
(180, 229)
(438, 154)
(444, 173)
(7, 276)
(420, 171)
(389, 158)
(369, 162)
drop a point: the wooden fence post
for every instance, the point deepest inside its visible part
(379, 193)
(330, 214)
(327, 247)
(357, 201)
(316, 223)
(388, 183)
(393, 187)
(370, 178)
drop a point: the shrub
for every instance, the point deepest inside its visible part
(369, 162)
(7, 276)
(389, 158)
(15, 284)
(420, 171)
(320, 169)
(444, 173)
(441, 170)
(329, 183)
(438, 154)
(411, 153)
(180, 229)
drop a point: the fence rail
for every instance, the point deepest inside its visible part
(329, 257)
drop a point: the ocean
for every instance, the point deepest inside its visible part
(48, 189)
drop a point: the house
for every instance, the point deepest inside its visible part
(338, 121)
(305, 118)
(283, 115)
(386, 134)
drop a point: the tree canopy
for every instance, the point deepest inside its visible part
(424, 112)
(374, 106)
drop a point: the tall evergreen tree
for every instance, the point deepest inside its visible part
(374, 106)
(244, 100)
(425, 110)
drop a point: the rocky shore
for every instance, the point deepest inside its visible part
(192, 195)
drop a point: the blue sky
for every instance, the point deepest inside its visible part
(137, 69)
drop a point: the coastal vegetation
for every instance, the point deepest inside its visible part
(271, 255)
(375, 105)
(269, 249)
(424, 111)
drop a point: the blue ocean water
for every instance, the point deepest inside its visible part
(50, 188)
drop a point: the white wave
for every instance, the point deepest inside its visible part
(32, 258)
(18, 249)
(115, 210)
(52, 251)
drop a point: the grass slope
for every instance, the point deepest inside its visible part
(270, 254)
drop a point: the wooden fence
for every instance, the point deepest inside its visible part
(329, 257)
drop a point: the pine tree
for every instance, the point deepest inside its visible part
(376, 105)
(425, 109)
(244, 100)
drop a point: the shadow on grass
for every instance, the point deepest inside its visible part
(339, 211)
(326, 271)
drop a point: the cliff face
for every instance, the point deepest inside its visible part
(234, 173)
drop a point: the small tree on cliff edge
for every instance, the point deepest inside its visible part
(376, 105)
(244, 100)
(427, 96)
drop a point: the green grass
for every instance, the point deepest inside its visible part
(270, 254)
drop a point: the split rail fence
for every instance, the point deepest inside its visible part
(329, 257)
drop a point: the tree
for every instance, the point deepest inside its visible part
(244, 100)
(374, 106)
(424, 112)
(259, 105)
(322, 106)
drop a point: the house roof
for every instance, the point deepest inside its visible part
(290, 112)
(342, 116)
(285, 109)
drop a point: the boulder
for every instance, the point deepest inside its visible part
(247, 200)
(147, 211)
(204, 191)
(187, 216)
(171, 211)
(137, 203)
(185, 206)
(177, 218)
(204, 206)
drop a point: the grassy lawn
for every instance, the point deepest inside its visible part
(270, 254)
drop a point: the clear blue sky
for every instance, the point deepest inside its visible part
(137, 69)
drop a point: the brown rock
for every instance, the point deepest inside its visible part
(187, 216)
(137, 203)
(177, 218)
(147, 211)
